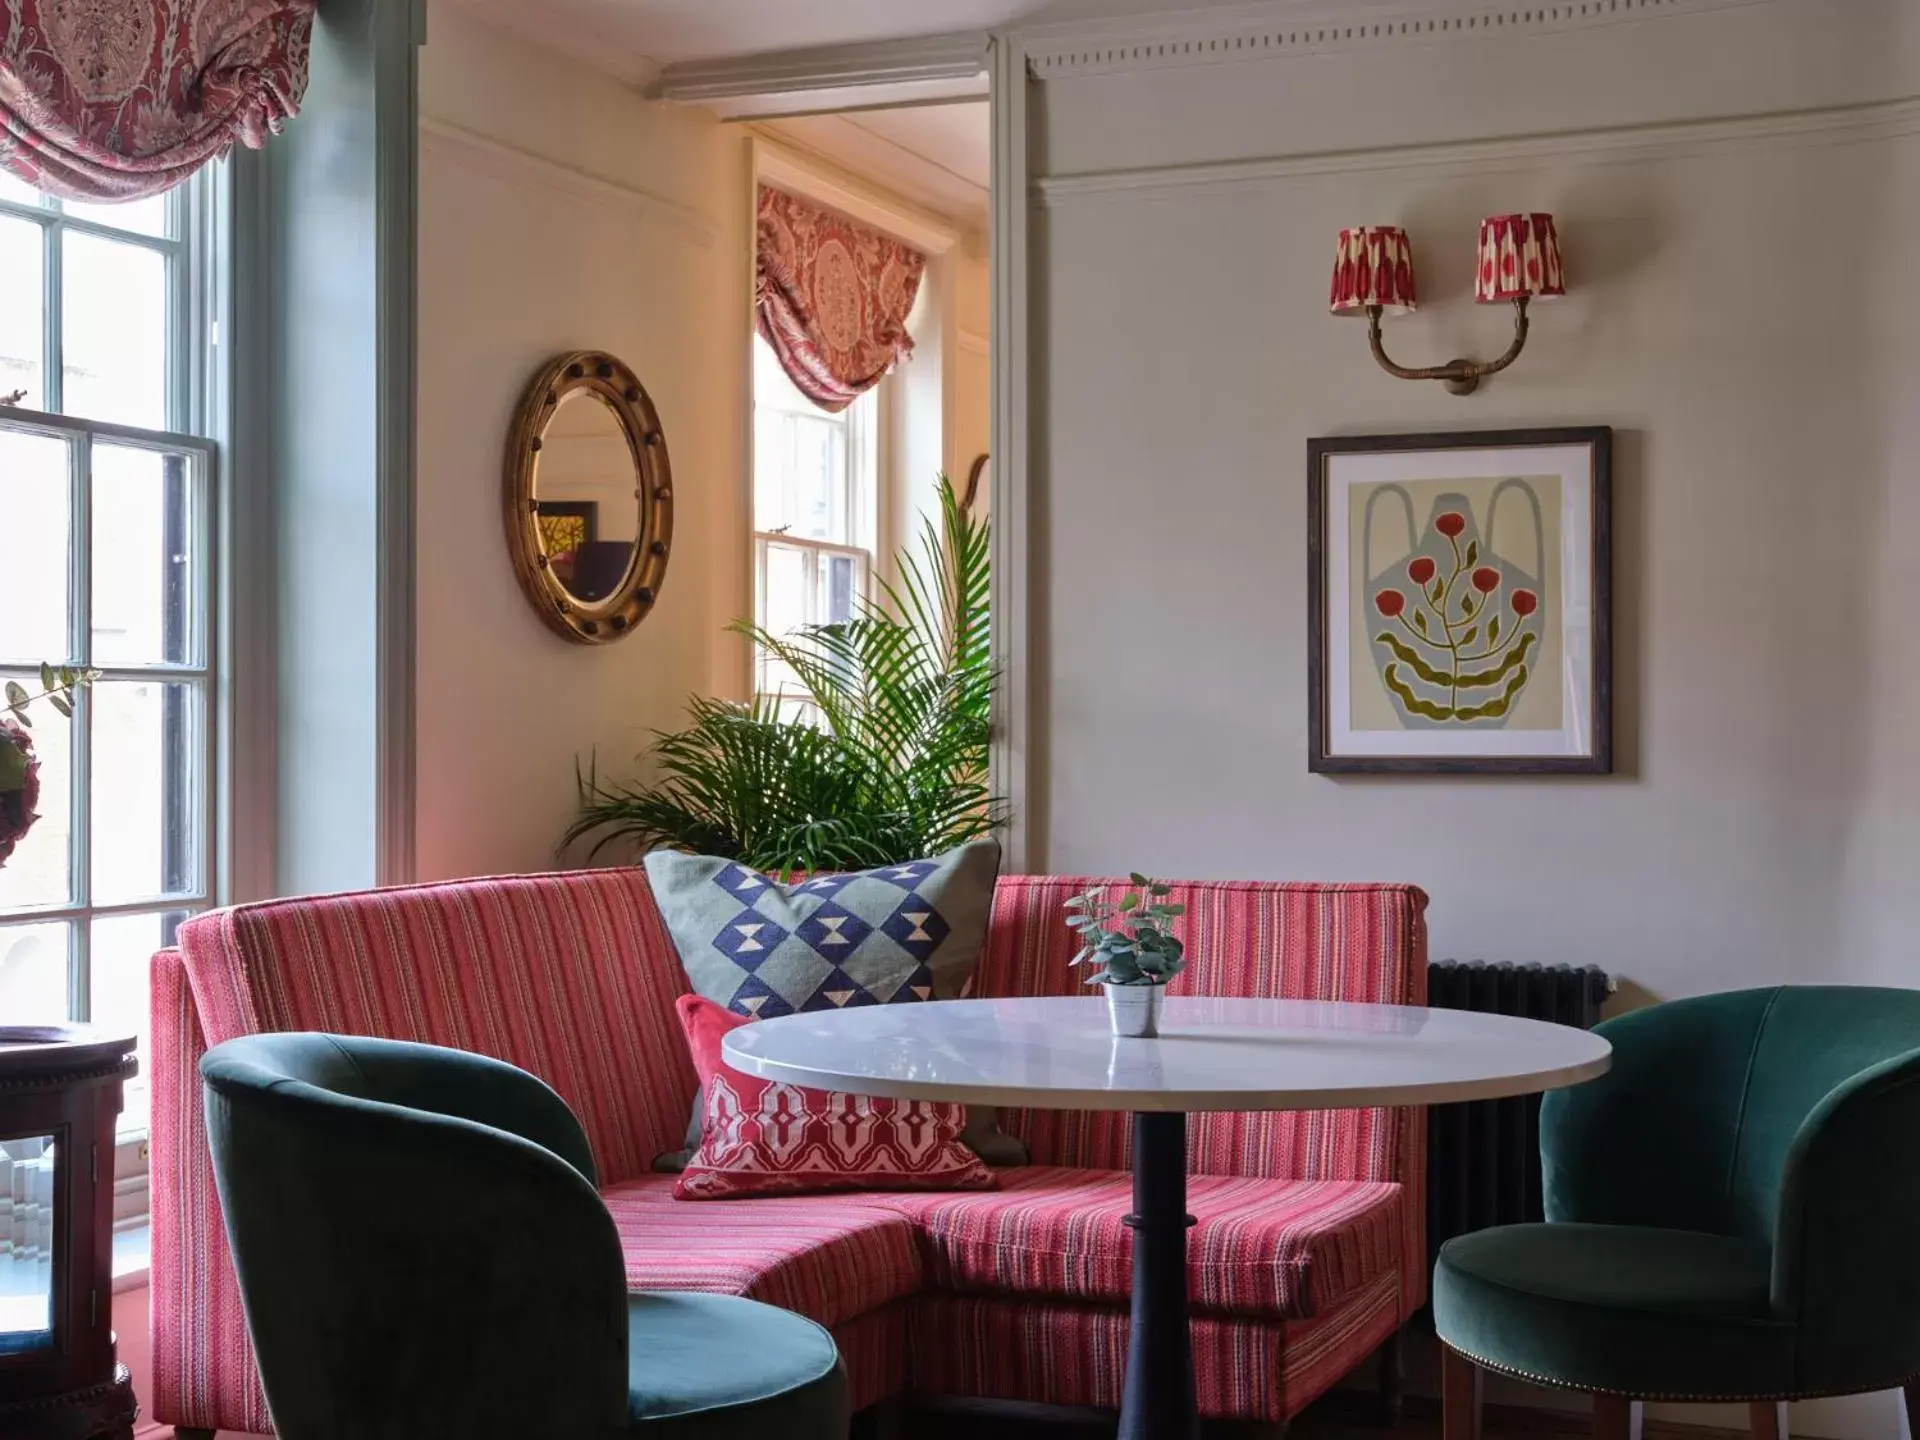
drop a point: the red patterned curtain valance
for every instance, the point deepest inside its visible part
(831, 298)
(119, 99)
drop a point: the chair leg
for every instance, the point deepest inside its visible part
(1393, 1379)
(1615, 1417)
(1459, 1396)
(1767, 1420)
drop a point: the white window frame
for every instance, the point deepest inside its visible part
(865, 505)
(192, 247)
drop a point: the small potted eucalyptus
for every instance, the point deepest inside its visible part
(1132, 944)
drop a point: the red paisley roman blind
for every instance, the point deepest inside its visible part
(831, 298)
(119, 99)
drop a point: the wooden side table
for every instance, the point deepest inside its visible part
(59, 1093)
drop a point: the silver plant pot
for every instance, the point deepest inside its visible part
(1134, 1010)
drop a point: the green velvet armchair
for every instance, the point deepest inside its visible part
(1733, 1213)
(421, 1251)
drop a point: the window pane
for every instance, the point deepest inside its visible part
(22, 310)
(143, 217)
(40, 871)
(26, 1244)
(143, 561)
(146, 785)
(33, 502)
(118, 958)
(33, 973)
(114, 330)
(12, 187)
(786, 597)
(839, 584)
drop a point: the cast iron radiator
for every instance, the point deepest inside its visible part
(1483, 1157)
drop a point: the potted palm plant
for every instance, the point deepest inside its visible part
(1131, 943)
(886, 764)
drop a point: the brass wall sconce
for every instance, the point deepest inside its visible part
(1519, 261)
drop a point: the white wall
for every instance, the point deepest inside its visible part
(972, 420)
(609, 222)
(1744, 311)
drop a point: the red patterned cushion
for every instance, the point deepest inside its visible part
(1286, 1248)
(828, 1257)
(763, 1137)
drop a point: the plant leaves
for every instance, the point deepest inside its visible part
(1473, 552)
(60, 703)
(1420, 621)
(16, 694)
(1493, 630)
(1130, 900)
(1468, 638)
(50, 679)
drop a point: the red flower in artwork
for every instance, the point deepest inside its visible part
(1525, 602)
(1486, 579)
(1390, 603)
(1451, 524)
(1420, 570)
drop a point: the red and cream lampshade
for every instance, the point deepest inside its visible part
(1519, 259)
(1374, 266)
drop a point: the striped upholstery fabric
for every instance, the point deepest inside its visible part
(203, 1370)
(1269, 1248)
(571, 977)
(1001, 1349)
(828, 1257)
(1303, 942)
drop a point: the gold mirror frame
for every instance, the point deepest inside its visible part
(597, 622)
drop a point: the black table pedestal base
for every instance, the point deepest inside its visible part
(1158, 1401)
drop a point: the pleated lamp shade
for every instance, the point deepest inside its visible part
(1519, 258)
(1373, 266)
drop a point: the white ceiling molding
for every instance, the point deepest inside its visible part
(1849, 124)
(931, 59)
(782, 166)
(523, 168)
(842, 140)
(1282, 28)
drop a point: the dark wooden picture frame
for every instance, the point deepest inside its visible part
(1599, 759)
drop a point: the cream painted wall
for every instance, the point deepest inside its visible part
(972, 419)
(1746, 314)
(518, 260)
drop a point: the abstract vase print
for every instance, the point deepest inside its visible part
(1455, 630)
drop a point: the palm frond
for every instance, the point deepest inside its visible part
(895, 768)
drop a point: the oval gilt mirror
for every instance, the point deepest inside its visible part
(589, 497)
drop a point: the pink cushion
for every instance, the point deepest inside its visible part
(762, 1137)
(1269, 1248)
(828, 1257)
(569, 976)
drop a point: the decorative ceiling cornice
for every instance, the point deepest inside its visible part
(1284, 28)
(885, 62)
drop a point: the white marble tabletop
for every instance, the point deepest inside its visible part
(1211, 1054)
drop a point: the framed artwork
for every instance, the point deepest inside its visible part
(1460, 608)
(566, 527)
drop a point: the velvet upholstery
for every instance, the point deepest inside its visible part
(421, 1250)
(1733, 1210)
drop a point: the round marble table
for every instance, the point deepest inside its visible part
(1211, 1054)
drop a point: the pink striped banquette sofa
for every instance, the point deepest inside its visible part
(1309, 1250)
